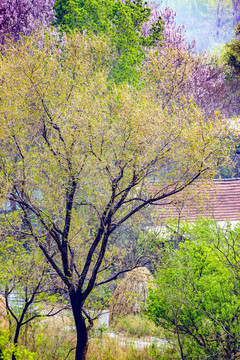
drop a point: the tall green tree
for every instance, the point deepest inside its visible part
(121, 21)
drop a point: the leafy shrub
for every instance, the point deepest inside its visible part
(7, 348)
(197, 295)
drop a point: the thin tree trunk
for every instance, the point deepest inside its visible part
(15, 341)
(178, 336)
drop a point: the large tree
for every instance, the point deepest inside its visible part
(78, 157)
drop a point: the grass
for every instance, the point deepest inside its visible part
(110, 349)
(53, 338)
(138, 326)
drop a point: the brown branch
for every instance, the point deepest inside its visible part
(116, 276)
(153, 200)
(69, 352)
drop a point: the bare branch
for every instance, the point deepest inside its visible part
(119, 273)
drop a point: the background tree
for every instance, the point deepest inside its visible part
(22, 17)
(77, 157)
(232, 52)
(236, 9)
(204, 78)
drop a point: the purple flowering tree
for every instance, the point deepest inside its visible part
(22, 17)
(200, 77)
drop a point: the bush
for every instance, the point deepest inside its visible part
(7, 348)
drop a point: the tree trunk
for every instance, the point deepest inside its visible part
(15, 341)
(81, 329)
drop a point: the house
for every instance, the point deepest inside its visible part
(219, 200)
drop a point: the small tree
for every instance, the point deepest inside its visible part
(77, 157)
(26, 282)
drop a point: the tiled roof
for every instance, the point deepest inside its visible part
(220, 201)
